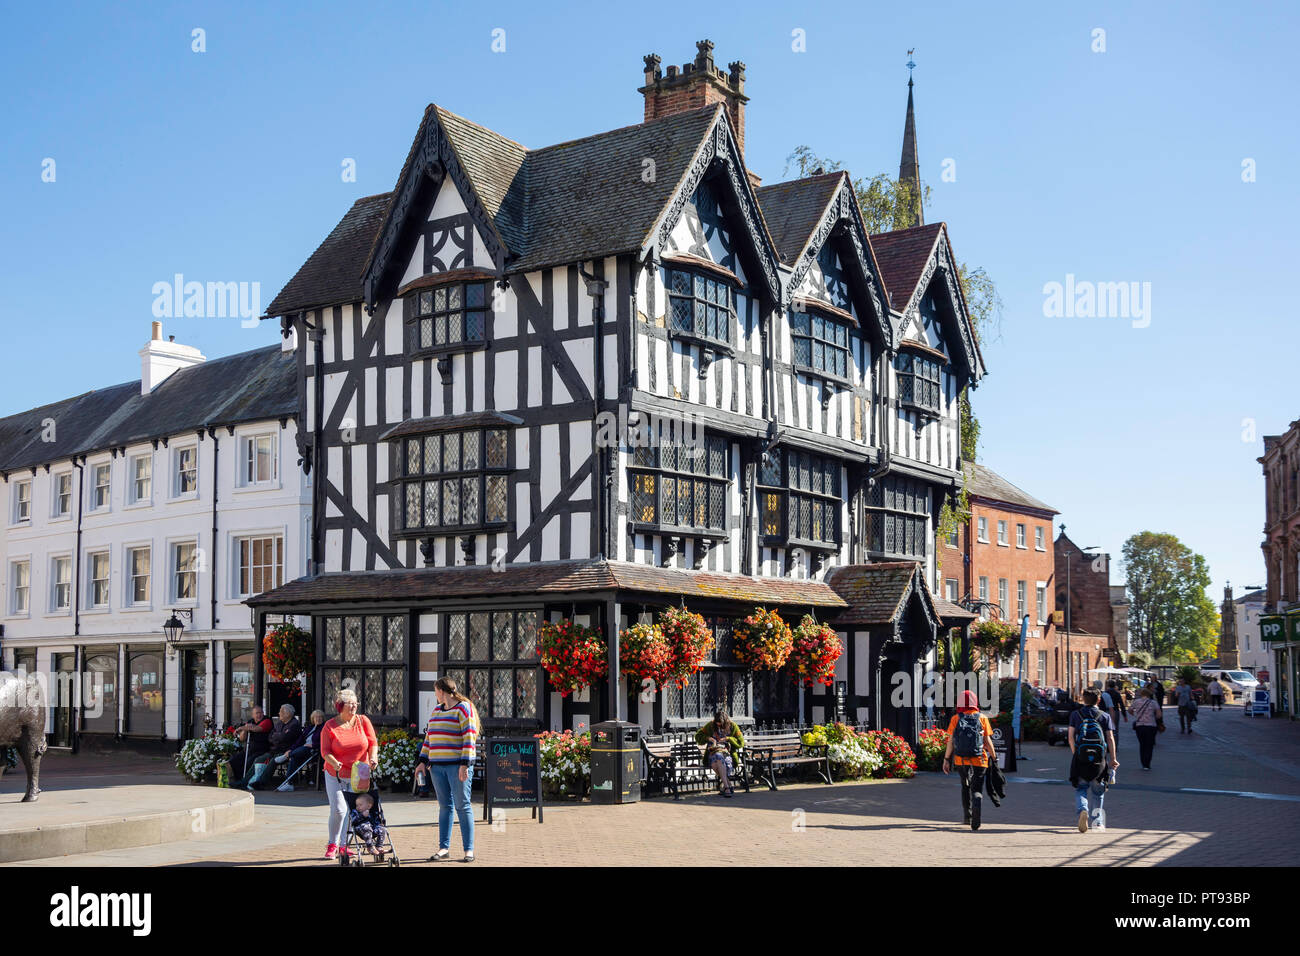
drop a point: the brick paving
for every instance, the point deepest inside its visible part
(880, 823)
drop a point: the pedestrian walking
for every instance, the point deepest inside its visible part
(970, 747)
(1186, 705)
(1112, 702)
(448, 754)
(345, 740)
(1148, 723)
(1092, 742)
(1216, 695)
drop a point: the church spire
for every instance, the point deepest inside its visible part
(909, 167)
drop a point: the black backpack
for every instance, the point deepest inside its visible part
(968, 739)
(1089, 745)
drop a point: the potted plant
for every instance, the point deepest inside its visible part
(398, 750)
(565, 763)
(996, 638)
(762, 641)
(573, 655)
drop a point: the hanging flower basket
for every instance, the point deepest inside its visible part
(689, 639)
(762, 641)
(996, 638)
(288, 651)
(643, 654)
(816, 649)
(573, 655)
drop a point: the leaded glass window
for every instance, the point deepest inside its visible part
(700, 305)
(449, 317)
(680, 485)
(720, 683)
(898, 511)
(492, 657)
(799, 498)
(366, 652)
(453, 481)
(918, 381)
(820, 344)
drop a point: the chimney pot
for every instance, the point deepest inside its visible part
(157, 332)
(171, 338)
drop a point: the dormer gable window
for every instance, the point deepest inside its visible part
(700, 303)
(919, 379)
(821, 343)
(451, 317)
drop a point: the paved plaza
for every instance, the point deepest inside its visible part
(1164, 817)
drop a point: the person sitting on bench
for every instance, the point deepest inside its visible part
(721, 739)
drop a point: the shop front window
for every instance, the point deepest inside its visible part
(100, 694)
(145, 708)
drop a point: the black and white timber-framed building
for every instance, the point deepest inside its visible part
(605, 376)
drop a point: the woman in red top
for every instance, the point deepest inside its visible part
(971, 767)
(344, 740)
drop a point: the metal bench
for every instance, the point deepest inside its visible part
(768, 754)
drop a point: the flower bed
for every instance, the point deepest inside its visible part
(932, 746)
(762, 641)
(198, 758)
(814, 652)
(850, 752)
(898, 757)
(573, 655)
(398, 751)
(566, 763)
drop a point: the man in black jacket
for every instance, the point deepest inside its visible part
(283, 733)
(303, 749)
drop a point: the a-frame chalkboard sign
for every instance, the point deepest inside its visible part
(512, 774)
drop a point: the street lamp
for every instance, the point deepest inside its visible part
(173, 628)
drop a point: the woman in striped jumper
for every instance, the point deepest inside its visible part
(448, 753)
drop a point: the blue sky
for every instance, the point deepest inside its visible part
(1115, 166)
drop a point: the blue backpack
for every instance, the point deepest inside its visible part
(1089, 745)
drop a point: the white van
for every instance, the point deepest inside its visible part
(1241, 682)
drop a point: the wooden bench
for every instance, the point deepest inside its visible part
(767, 754)
(670, 764)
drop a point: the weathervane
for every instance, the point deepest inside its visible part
(910, 65)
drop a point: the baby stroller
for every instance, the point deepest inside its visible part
(384, 854)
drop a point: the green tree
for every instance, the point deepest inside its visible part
(1170, 616)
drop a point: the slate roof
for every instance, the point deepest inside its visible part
(794, 209)
(250, 386)
(577, 200)
(874, 592)
(548, 577)
(987, 483)
(332, 274)
(903, 255)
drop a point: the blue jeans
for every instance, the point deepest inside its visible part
(1098, 790)
(447, 784)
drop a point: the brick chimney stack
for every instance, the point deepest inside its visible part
(696, 84)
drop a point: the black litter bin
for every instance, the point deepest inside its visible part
(615, 762)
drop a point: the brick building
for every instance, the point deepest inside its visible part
(1281, 547)
(998, 561)
(1093, 624)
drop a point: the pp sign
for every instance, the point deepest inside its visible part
(1272, 628)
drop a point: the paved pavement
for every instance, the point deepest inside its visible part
(1155, 818)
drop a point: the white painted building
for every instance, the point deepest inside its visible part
(1253, 654)
(181, 491)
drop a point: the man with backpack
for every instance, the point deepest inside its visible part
(970, 746)
(1092, 741)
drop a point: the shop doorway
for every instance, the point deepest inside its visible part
(61, 692)
(194, 704)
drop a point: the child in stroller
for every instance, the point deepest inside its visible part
(367, 831)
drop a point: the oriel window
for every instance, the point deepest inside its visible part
(918, 381)
(799, 497)
(700, 305)
(681, 484)
(820, 344)
(452, 481)
(449, 316)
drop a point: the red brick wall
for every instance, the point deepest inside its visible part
(1014, 564)
(691, 91)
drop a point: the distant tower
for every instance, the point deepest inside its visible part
(1228, 655)
(909, 167)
